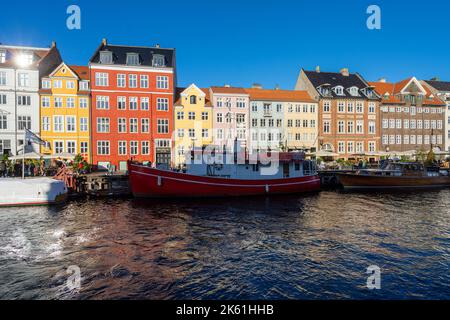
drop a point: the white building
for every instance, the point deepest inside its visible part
(20, 72)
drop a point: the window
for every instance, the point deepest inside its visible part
(372, 146)
(145, 147)
(70, 84)
(121, 81)
(360, 126)
(385, 124)
(205, 115)
(84, 86)
(191, 133)
(2, 56)
(133, 59)
(70, 102)
(219, 118)
(350, 108)
(180, 133)
(350, 147)
(84, 124)
(359, 107)
(406, 139)
(145, 104)
(279, 108)
(372, 127)
(102, 102)
(133, 103)
(58, 102)
(371, 107)
(45, 102)
(240, 103)
(412, 139)
(133, 125)
(101, 79)
(3, 122)
(240, 118)
(439, 124)
(162, 82)
(158, 60)
(24, 100)
(103, 125)
(219, 134)
(134, 148)
(70, 124)
(205, 133)
(58, 146)
(191, 115)
(398, 123)
(24, 79)
(83, 103)
(339, 90)
(413, 124)
(121, 103)
(2, 78)
(83, 147)
(122, 125)
(341, 127)
(46, 84)
(163, 125)
(132, 81)
(57, 84)
(58, 123)
(419, 139)
(419, 124)
(359, 147)
(45, 123)
(23, 122)
(3, 99)
(341, 106)
(71, 147)
(106, 57)
(180, 115)
(144, 81)
(255, 122)
(254, 107)
(385, 139)
(103, 147)
(145, 125)
(193, 100)
(326, 126)
(350, 125)
(398, 139)
(162, 104)
(341, 147)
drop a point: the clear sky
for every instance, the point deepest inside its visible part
(247, 41)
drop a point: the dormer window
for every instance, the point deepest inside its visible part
(106, 57)
(193, 99)
(339, 90)
(133, 59)
(354, 91)
(158, 60)
(25, 59)
(2, 56)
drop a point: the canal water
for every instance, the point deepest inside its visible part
(316, 246)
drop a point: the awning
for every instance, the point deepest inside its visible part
(29, 155)
(324, 153)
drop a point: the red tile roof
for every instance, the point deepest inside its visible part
(228, 90)
(81, 71)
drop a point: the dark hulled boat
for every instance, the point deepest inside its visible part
(396, 175)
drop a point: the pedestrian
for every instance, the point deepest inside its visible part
(2, 168)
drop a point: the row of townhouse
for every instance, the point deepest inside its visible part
(126, 105)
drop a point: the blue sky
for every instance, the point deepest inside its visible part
(247, 41)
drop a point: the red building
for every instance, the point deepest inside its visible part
(132, 104)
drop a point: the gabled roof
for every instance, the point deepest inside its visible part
(279, 95)
(439, 85)
(146, 54)
(228, 90)
(180, 90)
(335, 79)
(81, 71)
(391, 92)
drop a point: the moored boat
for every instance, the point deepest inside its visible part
(292, 175)
(31, 192)
(396, 176)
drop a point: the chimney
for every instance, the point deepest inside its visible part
(318, 69)
(383, 80)
(344, 72)
(435, 79)
(157, 45)
(277, 87)
(227, 86)
(104, 41)
(256, 86)
(53, 44)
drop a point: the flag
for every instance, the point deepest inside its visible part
(33, 138)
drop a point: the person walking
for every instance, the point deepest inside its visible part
(2, 169)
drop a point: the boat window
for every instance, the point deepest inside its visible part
(297, 166)
(255, 167)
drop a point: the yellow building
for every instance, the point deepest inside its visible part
(193, 121)
(65, 108)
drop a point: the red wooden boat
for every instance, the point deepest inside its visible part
(217, 182)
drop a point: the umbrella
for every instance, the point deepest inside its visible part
(63, 155)
(28, 155)
(324, 153)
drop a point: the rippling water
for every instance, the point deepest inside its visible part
(288, 247)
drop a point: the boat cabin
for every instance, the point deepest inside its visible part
(252, 167)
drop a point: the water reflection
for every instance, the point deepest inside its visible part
(299, 247)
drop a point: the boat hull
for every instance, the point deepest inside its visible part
(148, 182)
(355, 181)
(17, 192)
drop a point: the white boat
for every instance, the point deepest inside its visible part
(32, 191)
